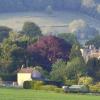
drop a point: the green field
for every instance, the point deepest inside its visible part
(21, 94)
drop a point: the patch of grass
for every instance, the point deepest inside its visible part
(22, 94)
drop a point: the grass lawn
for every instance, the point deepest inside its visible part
(21, 94)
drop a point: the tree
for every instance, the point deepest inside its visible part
(58, 72)
(19, 57)
(13, 52)
(13, 36)
(75, 68)
(31, 29)
(93, 68)
(4, 32)
(95, 41)
(69, 37)
(51, 47)
(36, 59)
(5, 58)
(70, 71)
(75, 51)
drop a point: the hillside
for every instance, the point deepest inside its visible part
(89, 7)
(28, 5)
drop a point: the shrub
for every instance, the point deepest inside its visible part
(8, 77)
(52, 88)
(94, 88)
(49, 87)
(85, 80)
(27, 84)
(37, 85)
(58, 90)
(32, 85)
(70, 82)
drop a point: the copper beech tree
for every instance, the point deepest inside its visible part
(51, 48)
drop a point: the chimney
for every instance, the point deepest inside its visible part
(22, 66)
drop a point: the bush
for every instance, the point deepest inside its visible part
(27, 85)
(94, 88)
(37, 85)
(52, 88)
(70, 82)
(8, 77)
(33, 85)
(85, 80)
(49, 87)
(59, 90)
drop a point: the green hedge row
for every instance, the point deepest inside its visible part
(8, 77)
(39, 85)
(94, 88)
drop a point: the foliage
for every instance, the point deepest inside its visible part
(31, 29)
(72, 70)
(58, 90)
(85, 80)
(5, 58)
(75, 68)
(49, 87)
(13, 36)
(27, 85)
(4, 32)
(37, 85)
(19, 57)
(75, 51)
(34, 59)
(8, 77)
(94, 88)
(13, 53)
(70, 82)
(58, 72)
(51, 47)
(69, 37)
(95, 41)
(93, 68)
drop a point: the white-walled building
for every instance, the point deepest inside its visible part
(90, 52)
(26, 74)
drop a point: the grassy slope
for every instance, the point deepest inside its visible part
(21, 94)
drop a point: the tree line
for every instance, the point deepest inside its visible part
(58, 57)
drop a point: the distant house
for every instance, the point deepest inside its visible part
(27, 74)
(90, 52)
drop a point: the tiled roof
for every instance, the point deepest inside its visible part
(95, 55)
(26, 70)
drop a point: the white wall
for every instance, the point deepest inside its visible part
(21, 77)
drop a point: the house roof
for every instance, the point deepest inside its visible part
(95, 55)
(34, 73)
(26, 70)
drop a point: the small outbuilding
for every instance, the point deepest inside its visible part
(27, 74)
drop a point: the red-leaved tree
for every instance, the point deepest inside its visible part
(51, 47)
